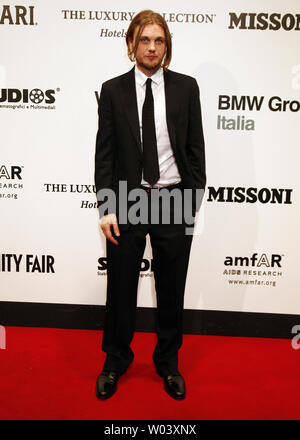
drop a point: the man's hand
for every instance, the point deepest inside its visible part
(105, 223)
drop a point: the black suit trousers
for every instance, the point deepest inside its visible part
(170, 249)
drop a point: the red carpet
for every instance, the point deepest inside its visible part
(50, 374)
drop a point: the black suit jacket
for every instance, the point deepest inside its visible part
(118, 144)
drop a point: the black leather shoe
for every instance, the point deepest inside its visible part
(106, 384)
(174, 386)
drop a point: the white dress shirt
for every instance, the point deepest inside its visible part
(169, 174)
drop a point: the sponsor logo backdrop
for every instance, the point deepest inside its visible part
(245, 58)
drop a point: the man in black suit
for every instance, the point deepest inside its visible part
(150, 138)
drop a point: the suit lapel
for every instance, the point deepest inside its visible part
(128, 94)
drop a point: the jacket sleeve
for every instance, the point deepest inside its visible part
(105, 145)
(195, 144)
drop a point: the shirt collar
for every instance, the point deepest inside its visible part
(141, 78)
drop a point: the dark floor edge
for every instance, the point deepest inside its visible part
(205, 322)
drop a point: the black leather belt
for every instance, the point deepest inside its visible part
(170, 187)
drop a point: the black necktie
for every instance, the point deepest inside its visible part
(150, 158)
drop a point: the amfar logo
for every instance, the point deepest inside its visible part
(17, 15)
(249, 195)
(11, 173)
(264, 21)
(255, 260)
(36, 96)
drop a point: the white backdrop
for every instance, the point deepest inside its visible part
(55, 56)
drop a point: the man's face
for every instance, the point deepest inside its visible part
(151, 48)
